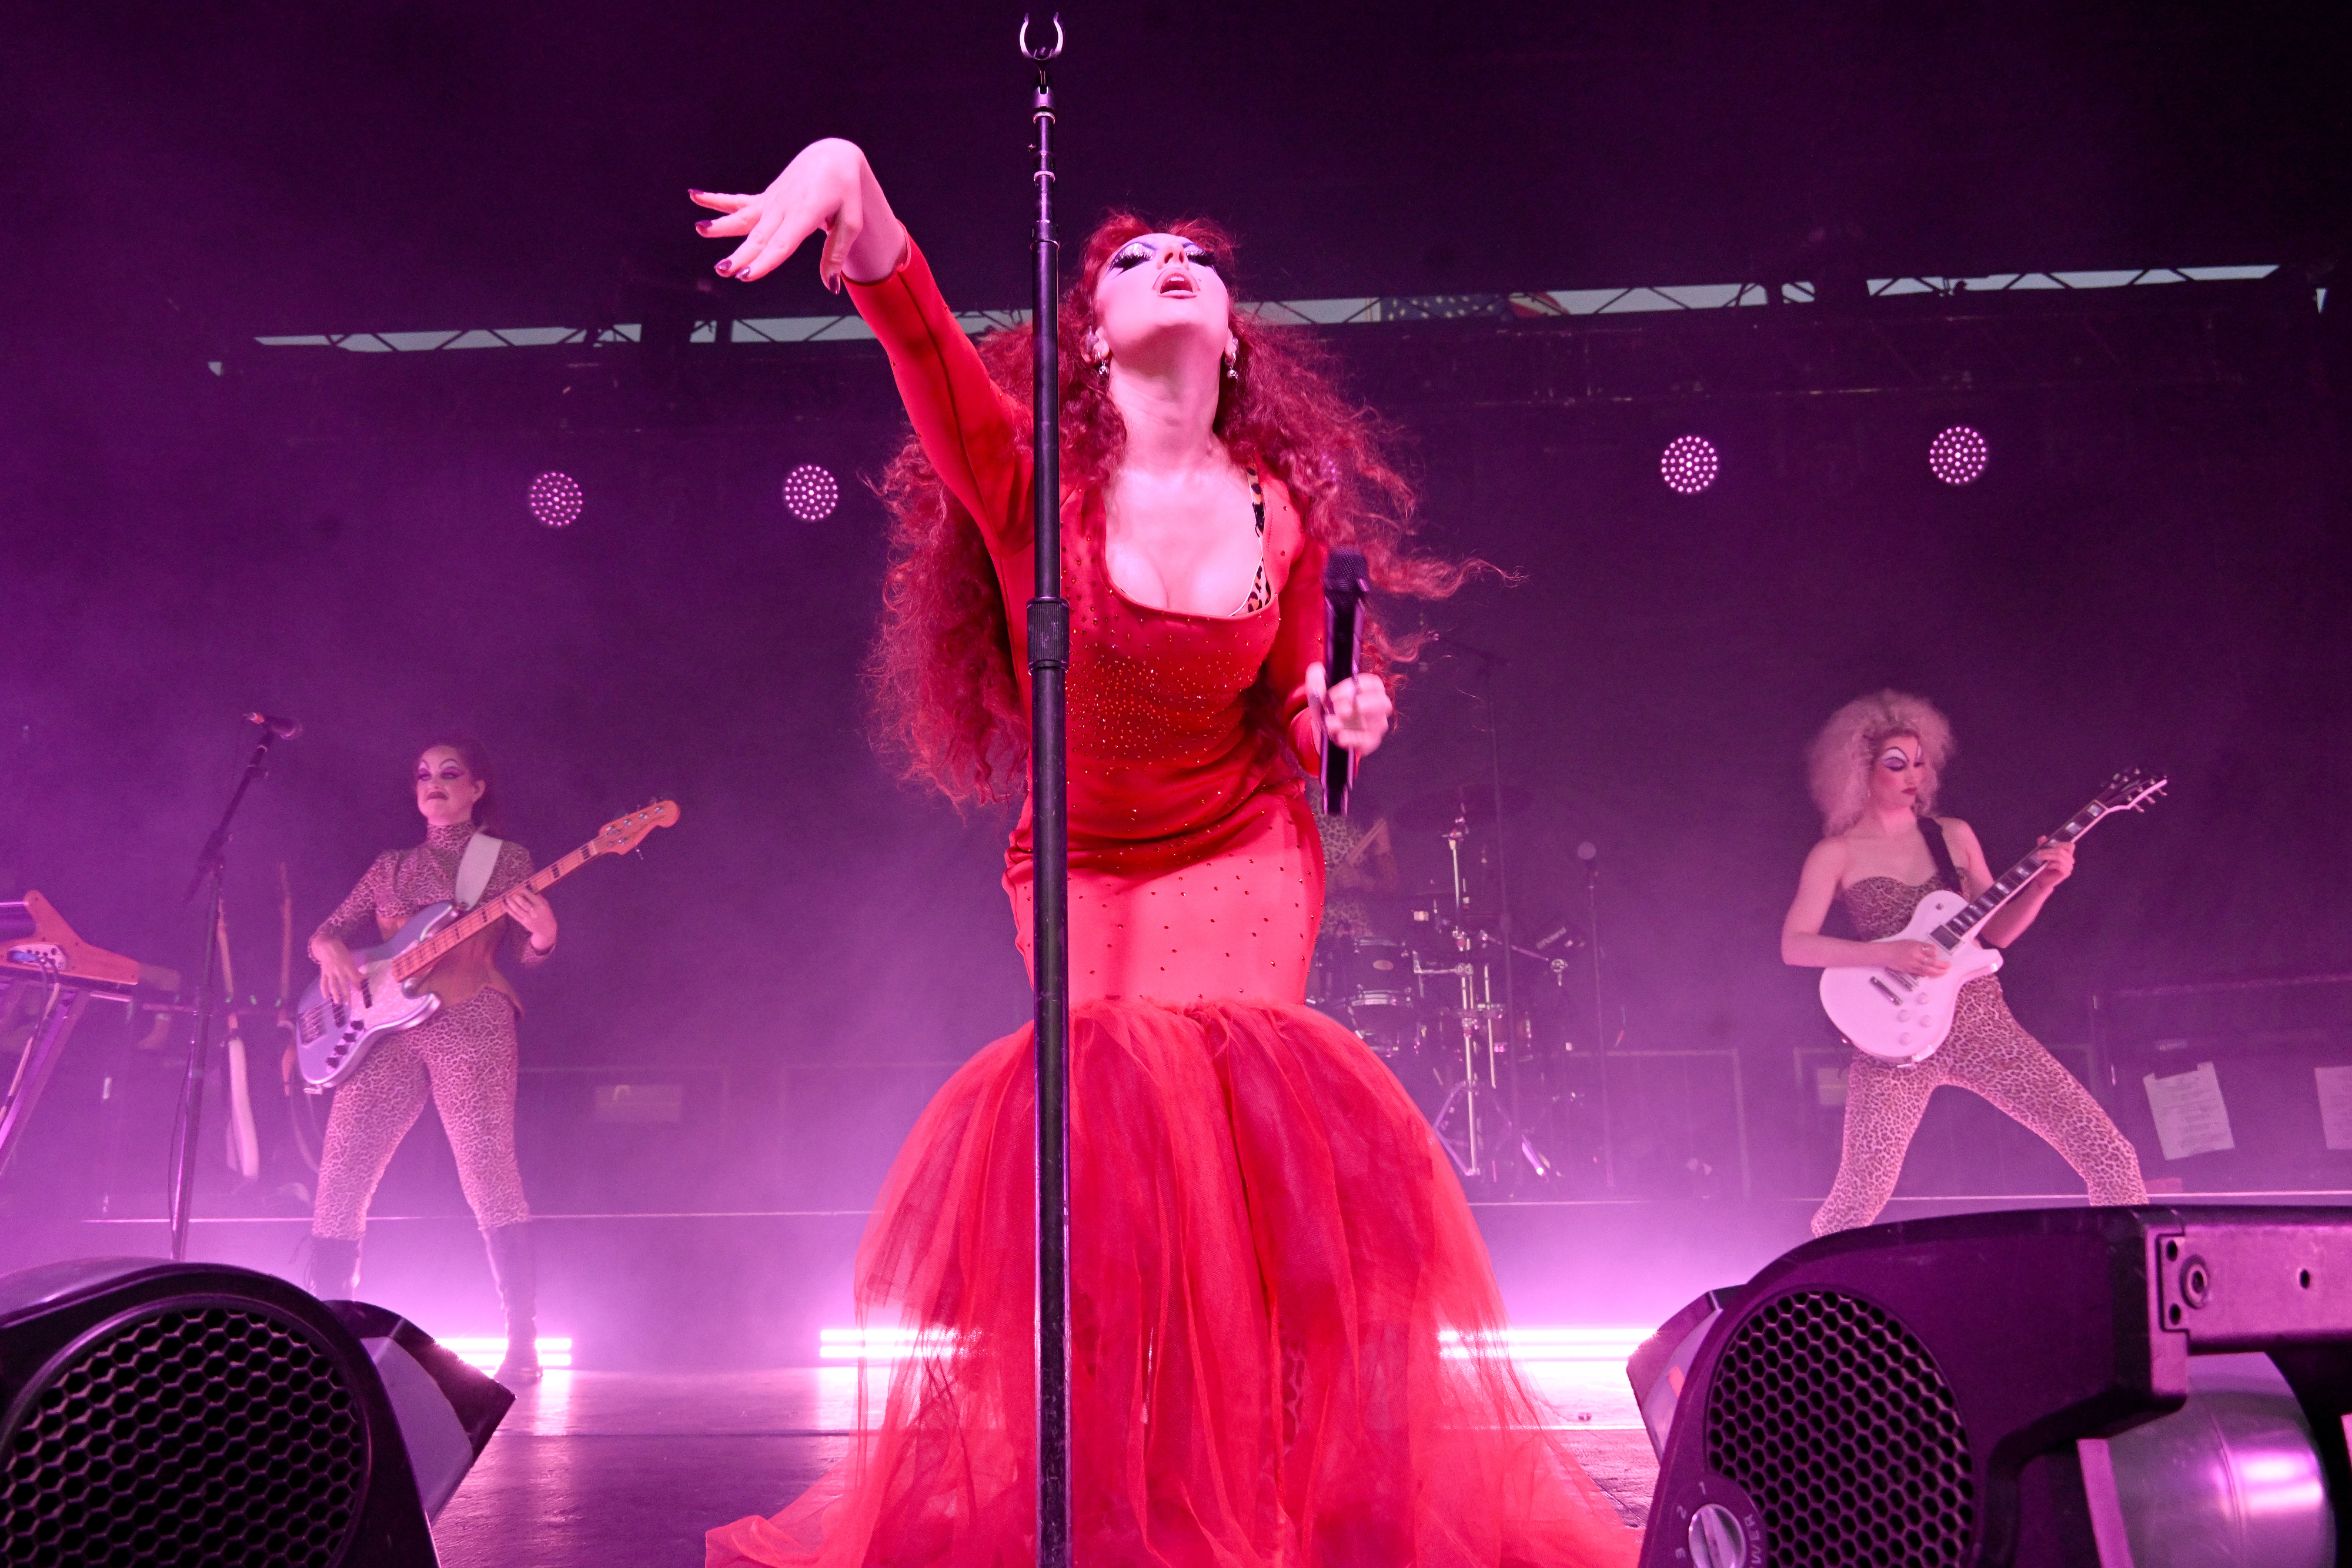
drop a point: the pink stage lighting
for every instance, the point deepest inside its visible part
(1958, 456)
(810, 493)
(1688, 464)
(556, 499)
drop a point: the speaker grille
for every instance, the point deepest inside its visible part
(1835, 1420)
(195, 1436)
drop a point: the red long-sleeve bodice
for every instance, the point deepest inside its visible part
(1165, 748)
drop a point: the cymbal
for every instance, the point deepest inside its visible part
(1472, 805)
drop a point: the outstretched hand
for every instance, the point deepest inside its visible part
(828, 186)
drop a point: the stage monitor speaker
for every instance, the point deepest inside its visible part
(184, 1413)
(2122, 1387)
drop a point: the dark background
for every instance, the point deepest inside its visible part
(2151, 572)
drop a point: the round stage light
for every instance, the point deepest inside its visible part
(810, 493)
(556, 499)
(1957, 455)
(1688, 464)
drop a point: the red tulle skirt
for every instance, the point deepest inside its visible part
(1266, 1245)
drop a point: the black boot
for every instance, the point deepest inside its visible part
(515, 1267)
(335, 1269)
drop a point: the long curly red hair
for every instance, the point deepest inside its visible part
(946, 697)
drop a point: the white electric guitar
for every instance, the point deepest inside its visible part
(1902, 1017)
(440, 956)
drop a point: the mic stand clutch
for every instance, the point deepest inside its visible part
(212, 866)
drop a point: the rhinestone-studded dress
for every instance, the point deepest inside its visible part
(1266, 1240)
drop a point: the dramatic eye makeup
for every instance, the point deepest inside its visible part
(1135, 253)
(1894, 761)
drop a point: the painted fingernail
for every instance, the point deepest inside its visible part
(726, 269)
(698, 194)
(703, 227)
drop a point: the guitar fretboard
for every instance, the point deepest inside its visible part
(439, 945)
(1986, 904)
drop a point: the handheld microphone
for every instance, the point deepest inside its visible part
(283, 728)
(1347, 577)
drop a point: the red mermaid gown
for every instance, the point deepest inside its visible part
(1266, 1241)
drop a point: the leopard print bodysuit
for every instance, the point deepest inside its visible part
(1988, 1053)
(464, 1057)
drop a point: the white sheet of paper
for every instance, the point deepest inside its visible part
(2335, 1105)
(2191, 1118)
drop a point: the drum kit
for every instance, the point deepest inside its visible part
(1439, 1001)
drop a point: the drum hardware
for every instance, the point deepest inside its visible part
(1589, 854)
(1440, 1007)
(1470, 805)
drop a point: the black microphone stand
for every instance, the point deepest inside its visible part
(1049, 658)
(212, 865)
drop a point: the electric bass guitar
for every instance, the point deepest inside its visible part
(406, 978)
(1902, 1017)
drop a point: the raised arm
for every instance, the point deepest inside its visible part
(969, 428)
(532, 917)
(2057, 865)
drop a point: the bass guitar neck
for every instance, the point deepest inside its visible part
(395, 988)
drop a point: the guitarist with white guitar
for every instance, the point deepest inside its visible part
(1896, 866)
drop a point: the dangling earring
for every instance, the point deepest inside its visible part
(1102, 367)
(1233, 358)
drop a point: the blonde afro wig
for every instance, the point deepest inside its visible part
(1840, 760)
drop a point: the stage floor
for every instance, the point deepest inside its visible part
(605, 1468)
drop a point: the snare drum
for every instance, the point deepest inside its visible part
(1369, 984)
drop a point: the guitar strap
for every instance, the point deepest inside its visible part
(474, 868)
(1933, 832)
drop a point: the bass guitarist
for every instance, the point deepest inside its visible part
(464, 1055)
(1873, 770)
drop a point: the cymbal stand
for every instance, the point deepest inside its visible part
(1591, 856)
(1485, 1127)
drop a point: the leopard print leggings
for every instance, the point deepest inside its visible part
(466, 1058)
(1991, 1054)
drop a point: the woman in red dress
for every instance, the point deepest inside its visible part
(1269, 1251)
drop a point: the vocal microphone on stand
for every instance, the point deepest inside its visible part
(283, 728)
(1347, 577)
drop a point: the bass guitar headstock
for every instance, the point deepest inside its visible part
(2131, 790)
(622, 834)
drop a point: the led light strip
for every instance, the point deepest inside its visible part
(484, 1352)
(880, 1344)
(1530, 1345)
